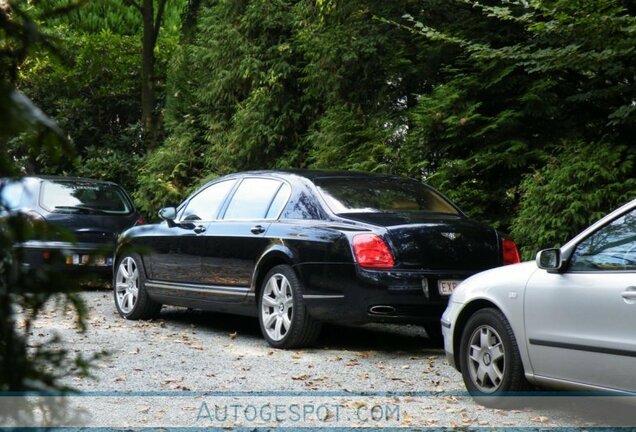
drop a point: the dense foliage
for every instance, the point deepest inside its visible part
(25, 366)
(533, 123)
(522, 111)
(92, 88)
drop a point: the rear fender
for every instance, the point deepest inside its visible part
(275, 254)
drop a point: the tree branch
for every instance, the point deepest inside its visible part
(158, 18)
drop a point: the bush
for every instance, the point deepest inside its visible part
(577, 187)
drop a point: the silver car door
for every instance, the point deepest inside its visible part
(580, 323)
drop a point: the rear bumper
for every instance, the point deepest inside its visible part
(81, 258)
(346, 293)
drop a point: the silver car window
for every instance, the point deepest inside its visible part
(611, 248)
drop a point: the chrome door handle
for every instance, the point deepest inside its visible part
(629, 293)
(258, 229)
(199, 229)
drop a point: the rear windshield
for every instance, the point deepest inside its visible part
(84, 197)
(366, 195)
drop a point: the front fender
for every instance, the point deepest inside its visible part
(503, 288)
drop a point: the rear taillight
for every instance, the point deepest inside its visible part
(372, 252)
(140, 221)
(509, 252)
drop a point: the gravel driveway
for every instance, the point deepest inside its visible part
(198, 361)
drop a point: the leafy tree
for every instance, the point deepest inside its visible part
(263, 84)
(538, 92)
(25, 366)
(93, 91)
(573, 189)
(151, 26)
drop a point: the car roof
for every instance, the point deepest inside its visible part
(315, 174)
(64, 178)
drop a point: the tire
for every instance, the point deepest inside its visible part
(283, 316)
(489, 359)
(129, 289)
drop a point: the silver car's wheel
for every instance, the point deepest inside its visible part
(129, 288)
(487, 361)
(127, 285)
(283, 315)
(277, 307)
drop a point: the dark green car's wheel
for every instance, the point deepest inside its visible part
(285, 322)
(489, 358)
(129, 289)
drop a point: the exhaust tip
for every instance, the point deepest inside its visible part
(382, 310)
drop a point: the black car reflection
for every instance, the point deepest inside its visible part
(297, 248)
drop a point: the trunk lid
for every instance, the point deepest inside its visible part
(428, 241)
(99, 229)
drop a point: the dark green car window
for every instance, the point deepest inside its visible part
(364, 195)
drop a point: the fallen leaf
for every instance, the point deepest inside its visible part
(233, 335)
(407, 419)
(300, 377)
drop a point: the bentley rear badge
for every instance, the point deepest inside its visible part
(451, 235)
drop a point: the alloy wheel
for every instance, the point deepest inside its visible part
(277, 307)
(127, 285)
(486, 359)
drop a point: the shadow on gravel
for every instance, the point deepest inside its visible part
(376, 337)
(604, 411)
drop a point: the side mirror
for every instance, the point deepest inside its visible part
(549, 259)
(168, 214)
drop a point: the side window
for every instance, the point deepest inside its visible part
(612, 247)
(279, 202)
(252, 199)
(205, 204)
(11, 194)
(305, 206)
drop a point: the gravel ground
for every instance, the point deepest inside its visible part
(188, 352)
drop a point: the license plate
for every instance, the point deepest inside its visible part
(446, 287)
(84, 259)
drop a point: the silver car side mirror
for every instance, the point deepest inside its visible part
(549, 259)
(168, 214)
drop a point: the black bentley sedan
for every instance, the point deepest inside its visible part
(83, 218)
(297, 248)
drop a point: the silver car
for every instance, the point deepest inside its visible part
(567, 320)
